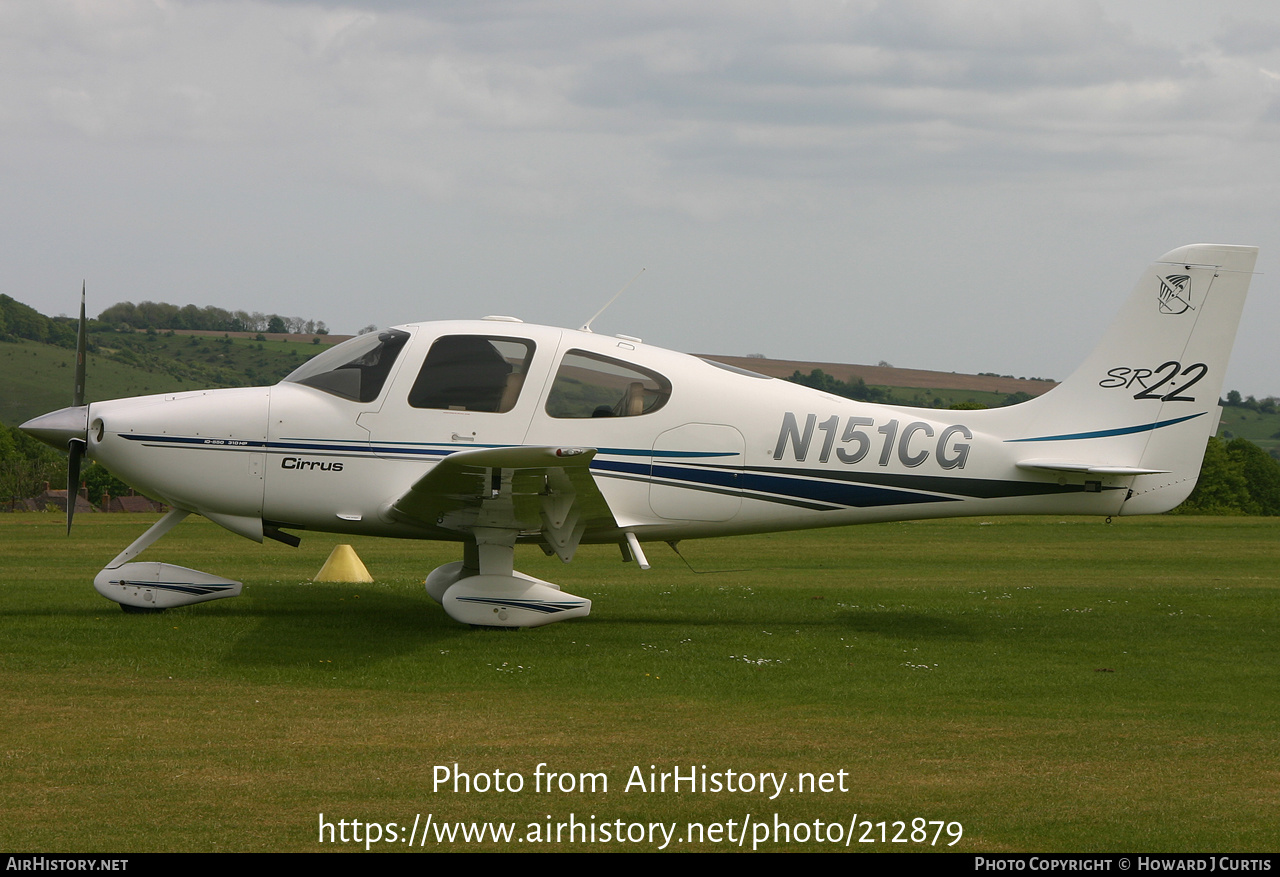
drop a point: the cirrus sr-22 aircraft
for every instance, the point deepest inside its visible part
(494, 432)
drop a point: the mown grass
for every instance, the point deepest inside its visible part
(1050, 684)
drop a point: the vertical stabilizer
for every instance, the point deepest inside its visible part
(1146, 399)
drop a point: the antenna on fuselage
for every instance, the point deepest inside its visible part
(586, 327)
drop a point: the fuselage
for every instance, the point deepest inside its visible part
(686, 448)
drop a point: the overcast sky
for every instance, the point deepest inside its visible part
(950, 185)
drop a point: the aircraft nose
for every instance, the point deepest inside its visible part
(57, 428)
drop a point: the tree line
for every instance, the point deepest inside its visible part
(1266, 405)
(1236, 478)
(162, 315)
(26, 464)
(19, 321)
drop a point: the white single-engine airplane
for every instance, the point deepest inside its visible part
(496, 432)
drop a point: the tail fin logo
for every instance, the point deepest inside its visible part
(1175, 294)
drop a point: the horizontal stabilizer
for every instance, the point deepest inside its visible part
(1087, 468)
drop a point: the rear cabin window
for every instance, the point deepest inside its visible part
(356, 369)
(472, 373)
(590, 385)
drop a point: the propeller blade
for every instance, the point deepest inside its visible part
(76, 446)
(77, 397)
(76, 449)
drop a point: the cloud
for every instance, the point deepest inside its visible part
(297, 132)
(485, 98)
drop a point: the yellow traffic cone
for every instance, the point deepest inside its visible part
(343, 566)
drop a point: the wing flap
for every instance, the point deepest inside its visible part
(529, 490)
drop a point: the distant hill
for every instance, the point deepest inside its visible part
(888, 376)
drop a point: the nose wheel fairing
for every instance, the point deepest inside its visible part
(152, 586)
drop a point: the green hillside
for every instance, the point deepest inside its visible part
(926, 397)
(1261, 428)
(36, 377)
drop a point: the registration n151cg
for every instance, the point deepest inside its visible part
(912, 443)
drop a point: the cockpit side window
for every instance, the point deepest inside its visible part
(355, 369)
(590, 385)
(472, 373)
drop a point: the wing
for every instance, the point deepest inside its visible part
(544, 491)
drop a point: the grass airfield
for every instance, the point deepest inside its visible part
(1050, 684)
